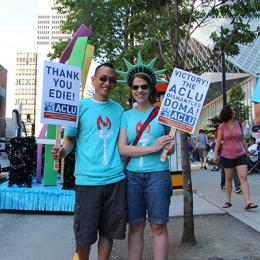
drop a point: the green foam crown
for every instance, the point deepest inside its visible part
(142, 68)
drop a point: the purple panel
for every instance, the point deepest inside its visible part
(39, 155)
(83, 30)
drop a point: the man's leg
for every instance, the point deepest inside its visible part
(236, 180)
(222, 181)
(104, 248)
(83, 252)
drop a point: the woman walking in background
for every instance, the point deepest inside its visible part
(202, 141)
(233, 154)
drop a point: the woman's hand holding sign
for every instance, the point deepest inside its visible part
(162, 142)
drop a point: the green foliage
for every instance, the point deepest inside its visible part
(236, 97)
(213, 125)
(120, 94)
(121, 28)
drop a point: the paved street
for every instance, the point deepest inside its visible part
(42, 236)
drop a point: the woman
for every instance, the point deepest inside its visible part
(202, 141)
(233, 154)
(149, 185)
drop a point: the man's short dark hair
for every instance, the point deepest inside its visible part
(253, 139)
(106, 64)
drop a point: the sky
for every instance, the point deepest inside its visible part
(18, 27)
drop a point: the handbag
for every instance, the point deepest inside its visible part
(152, 115)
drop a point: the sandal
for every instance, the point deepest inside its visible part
(251, 206)
(227, 205)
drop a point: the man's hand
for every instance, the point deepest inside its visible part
(58, 153)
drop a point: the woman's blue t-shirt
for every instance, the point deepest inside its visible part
(132, 121)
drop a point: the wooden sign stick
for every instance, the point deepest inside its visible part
(165, 151)
(58, 141)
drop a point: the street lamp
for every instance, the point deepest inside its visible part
(224, 90)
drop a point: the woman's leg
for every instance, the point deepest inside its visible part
(228, 183)
(205, 162)
(160, 239)
(136, 241)
(242, 173)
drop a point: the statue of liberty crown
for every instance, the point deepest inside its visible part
(140, 68)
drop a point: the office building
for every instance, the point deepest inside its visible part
(25, 88)
(243, 68)
(48, 33)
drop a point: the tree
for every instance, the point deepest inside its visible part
(236, 97)
(163, 27)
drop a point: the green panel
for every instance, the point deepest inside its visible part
(49, 175)
(78, 52)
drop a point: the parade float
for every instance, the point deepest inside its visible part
(34, 184)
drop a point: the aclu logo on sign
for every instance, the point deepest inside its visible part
(60, 108)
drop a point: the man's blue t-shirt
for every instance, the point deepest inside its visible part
(132, 121)
(97, 157)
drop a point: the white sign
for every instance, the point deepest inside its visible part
(60, 94)
(183, 100)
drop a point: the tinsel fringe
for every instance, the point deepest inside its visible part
(39, 198)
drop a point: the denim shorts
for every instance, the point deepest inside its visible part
(148, 193)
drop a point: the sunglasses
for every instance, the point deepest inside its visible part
(105, 78)
(143, 87)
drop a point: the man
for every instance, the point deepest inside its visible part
(100, 181)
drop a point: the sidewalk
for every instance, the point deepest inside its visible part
(209, 198)
(47, 236)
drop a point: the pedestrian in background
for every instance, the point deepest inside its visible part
(149, 186)
(233, 154)
(235, 178)
(190, 149)
(100, 205)
(202, 144)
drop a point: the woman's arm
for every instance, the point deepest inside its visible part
(217, 145)
(138, 151)
(207, 140)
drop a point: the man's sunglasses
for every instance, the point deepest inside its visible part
(105, 78)
(143, 87)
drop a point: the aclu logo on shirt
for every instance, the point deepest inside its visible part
(144, 140)
(104, 133)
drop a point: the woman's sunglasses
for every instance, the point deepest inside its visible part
(143, 87)
(105, 78)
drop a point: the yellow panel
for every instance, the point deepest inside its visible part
(177, 180)
(85, 68)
